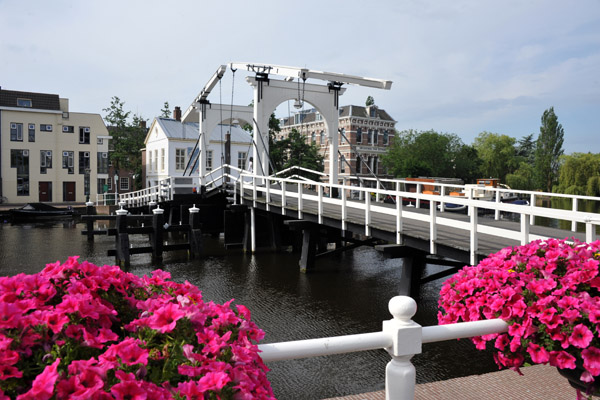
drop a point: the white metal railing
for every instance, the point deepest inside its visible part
(106, 199)
(401, 337)
(289, 188)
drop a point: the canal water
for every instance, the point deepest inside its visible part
(347, 294)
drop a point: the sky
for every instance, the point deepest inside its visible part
(461, 67)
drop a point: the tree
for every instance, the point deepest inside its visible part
(430, 153)
(522, 178)
(299, 153)
(127, 139)
(165, 111)
(497, 153)
(548, 150)
(579, 174)
(370, 101)
(526, 148)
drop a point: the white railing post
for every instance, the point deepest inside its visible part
(432, 227)
(320, 205)
(268, 195)
(400, 374)
(574, 223)
(283, 199)
(524, 229)
(532, 205)
(590, 230)
(398, 215)
(473, 235)
(367, 214)
(252, 230)
(254, 194)
(497, 212)
(300, 200)
(344, 208)
(418, 201)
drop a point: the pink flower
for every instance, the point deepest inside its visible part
(165, 318)
(43, 385)
(539, 355)
(128, 390)
(213, 381)
(581, 336)
(591, 360)
(562, 359)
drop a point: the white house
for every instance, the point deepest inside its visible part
(170, 143)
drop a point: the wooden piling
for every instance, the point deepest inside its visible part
(157, 234)
(89, 210)
(122, 239)
(195, 233)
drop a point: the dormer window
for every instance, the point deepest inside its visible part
(24, 103)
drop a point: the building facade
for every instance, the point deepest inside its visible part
(365, 134)
(171, 149)
(48, 153)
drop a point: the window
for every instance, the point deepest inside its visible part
(124, 183)
(109, 182)
(102, 163)
(358, 164)
(342, 164)
(370, 136)
(150, 161)
(24, 103)
(375, 136)
(358, 135)
(313, 138)
(241, 163)
(318, 117)
(45, 128)
(31, 132)
(84, 161)
(68, 129)
(19, 159)
(100, 141)
(209, 159)
(68, 161)
(162, 159)
(386, 137)
(342, 136)
(101, 186)
(155, 160)
(322, 137)
(45, 160)
(84, 135)
(372, 112)
(16, 132)
(179, 159)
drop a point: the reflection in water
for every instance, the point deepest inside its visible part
(347, 294)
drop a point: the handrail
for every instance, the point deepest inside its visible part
(401, 337)
(301, 169)
(321, 195)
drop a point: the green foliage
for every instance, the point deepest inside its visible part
(165, 112)
(579, 174)
(295, 151)
(428, 153)
(523, 178)
(526, 148)
(497, 153)
(548, 151)
(127, 139)
(370, 101)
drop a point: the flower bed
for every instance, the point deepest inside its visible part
(80, 331)
(548, 293)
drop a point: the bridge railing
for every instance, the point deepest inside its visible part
(401, 337)
(319, 195)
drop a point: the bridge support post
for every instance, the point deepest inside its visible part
(310, 239)
(122, 239)
(413, 264)
(157, 234)
(195, 233)
(89, 210)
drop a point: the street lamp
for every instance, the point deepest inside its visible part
(86, 184)
(116, 177)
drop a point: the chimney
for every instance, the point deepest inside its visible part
(143, 124)
(177, 113)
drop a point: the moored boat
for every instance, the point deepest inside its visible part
(34, 211)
